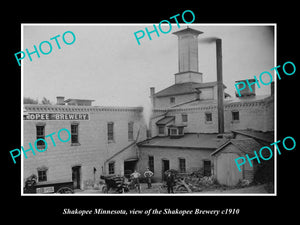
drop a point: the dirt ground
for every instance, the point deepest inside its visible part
(158, 189)
(247, 190)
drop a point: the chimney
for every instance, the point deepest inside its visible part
(148, 133)
(152, 93)
(60, 100)
(246, 91)
(198, 92)
(220, 90)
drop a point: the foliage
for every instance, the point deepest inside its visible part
(243, 183)
(29, 183)
(198, 173)
(46, 101)
(27, 100)
(264, 172)
(207, 181)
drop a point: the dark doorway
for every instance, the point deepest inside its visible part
(76, 170)
(129, 167)
(207, 167)
(165, 167)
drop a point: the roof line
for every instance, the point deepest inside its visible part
(117, 153)
(195, 100)
(123, 149)
(166, 95)
(180, 147)
(230, 141)
(66, 108)
(220, 147)
(70, 99)
(201, 86)
(250, 135)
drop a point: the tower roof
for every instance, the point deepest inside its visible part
(184, 88)
(187, 31)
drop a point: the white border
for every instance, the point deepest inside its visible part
(149, 24)
(22, 113)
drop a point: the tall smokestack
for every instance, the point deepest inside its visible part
(220, 90)
(152, 93)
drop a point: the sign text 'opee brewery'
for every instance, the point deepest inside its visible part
(57, 116)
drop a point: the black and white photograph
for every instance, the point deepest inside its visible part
(128, 115)
(134, 113)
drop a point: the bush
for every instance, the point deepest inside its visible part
(198, 173)
(264, 172)
(243, 183)
(207, 181)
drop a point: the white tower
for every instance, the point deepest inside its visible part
(188, 56)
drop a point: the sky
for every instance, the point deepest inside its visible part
(106, 64)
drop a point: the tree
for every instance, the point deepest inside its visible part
(28, 100)
(46, 101)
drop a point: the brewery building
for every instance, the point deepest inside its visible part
(190, 128)
(97, 134)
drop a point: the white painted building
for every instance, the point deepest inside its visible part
(186, 112)
(95, 139)
(184, 128)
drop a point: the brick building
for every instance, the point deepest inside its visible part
(192, 118)
(102, 141)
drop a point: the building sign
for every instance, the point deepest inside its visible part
(43, 190)
(57, 116)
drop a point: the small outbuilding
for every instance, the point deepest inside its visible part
(225, 168)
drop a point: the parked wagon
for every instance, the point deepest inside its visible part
(115, 182)
(48, 187)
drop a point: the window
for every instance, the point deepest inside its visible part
(235, 115)
(74, 134)
(172, 100)
(161, 130)
(130, 131)
(110, 131)
(207, 167)
(184, 117)
(151, 163)
(173, 131)
(40, 133)
(111, 168)
(176, 132)
(182, 168)
(42, 175)
(208, 117)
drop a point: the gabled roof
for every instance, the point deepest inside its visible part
(247, 146)
(165, 120)
(253, 98)
(187, 31)
(258, 135)
(184, 88)
(227, 102)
